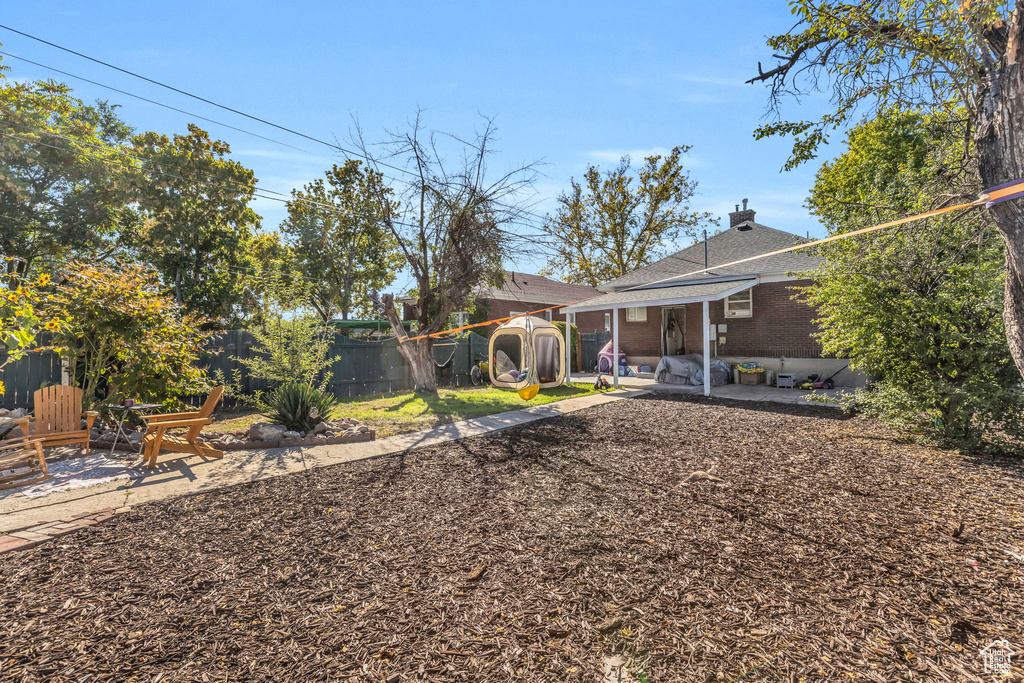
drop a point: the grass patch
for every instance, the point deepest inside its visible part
(392, 414)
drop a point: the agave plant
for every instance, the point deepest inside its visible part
(299, 407)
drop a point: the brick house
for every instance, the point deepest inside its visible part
(751, 315)
(524, 293)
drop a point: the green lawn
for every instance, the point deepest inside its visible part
(393, 414)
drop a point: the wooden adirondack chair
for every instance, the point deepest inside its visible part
(58, 417)
(157, 439)
(21, 462)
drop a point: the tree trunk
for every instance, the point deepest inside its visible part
(419, 353)
(1000, 153)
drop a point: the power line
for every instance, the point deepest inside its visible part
(205, 100)
(256, 191)
(167, 106)
(283, 197)
(335, 146)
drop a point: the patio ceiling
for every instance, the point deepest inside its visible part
(664, 296)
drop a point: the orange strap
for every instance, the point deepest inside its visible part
(495, 321)
(997, 194)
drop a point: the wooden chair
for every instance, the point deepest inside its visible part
(22, 462)
(157, 439)
(58, 417)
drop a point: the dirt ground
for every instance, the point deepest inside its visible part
(829, 550)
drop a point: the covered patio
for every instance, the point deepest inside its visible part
(703, 292)
(737, 392)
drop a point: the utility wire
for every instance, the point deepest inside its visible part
(282, 196)
(205, 100)
(167, 106)
(334, 146)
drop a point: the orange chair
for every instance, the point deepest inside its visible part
(157, 439)
(58, 417)
(21, 462)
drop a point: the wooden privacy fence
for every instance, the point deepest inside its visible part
(591, 344)
(357, 367)
(27, 374)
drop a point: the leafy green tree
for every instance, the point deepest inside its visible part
(959, 57)
(918, 310)
(339, 242)
(199, 229)
(63, 189)
(124, 334)
(607, 226)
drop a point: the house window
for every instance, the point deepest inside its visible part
(607, 321)
(547, 314)
(739, 305)
(515, 313)
(636, 314)
(461, 318)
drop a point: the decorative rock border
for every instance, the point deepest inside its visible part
(284, 443)
(370, 435)
(25, 539)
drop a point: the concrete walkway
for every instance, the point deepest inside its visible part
(194, 474)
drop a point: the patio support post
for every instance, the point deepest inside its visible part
(615, 347)
(707, 347)
(569, 319)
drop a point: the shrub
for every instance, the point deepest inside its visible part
(919, 309)
(291, 345)
(299, 407)
(125, 336)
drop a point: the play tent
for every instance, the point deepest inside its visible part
(525, 352)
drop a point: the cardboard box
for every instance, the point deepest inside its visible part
(752, 377)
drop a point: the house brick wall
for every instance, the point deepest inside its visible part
(498, 308)
(780, 326)
(641, 338)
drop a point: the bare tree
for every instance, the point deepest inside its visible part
(932, 54)
(455, 226)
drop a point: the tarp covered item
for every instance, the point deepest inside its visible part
(527, 352)
(689, 369)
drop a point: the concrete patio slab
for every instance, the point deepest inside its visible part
(737, 392)
(194, 474)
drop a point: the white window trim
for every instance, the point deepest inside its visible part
(607, 321)
(461, 318)
(633, 314)
(515, 313)
(747, 296)
(548, 315)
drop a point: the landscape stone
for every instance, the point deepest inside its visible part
(262, 431)
(291, 435)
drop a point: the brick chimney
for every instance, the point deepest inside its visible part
(738, 216)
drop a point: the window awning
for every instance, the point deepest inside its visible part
(664, 296)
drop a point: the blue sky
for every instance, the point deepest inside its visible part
(568, 83)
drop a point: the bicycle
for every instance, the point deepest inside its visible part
(480, 372)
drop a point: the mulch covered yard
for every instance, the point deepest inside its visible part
(831, 549)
